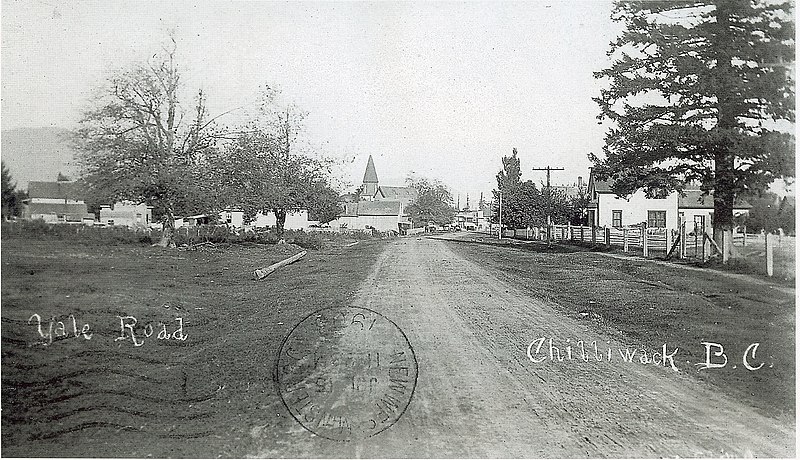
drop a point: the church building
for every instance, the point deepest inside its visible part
(377, 206)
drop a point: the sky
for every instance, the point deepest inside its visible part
(440, 90)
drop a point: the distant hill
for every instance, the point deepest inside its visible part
(37, 154)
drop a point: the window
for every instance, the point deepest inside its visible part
(616, 218)
(228, 217)
(699, 223)
(657, 219)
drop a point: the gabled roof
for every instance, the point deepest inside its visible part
(370, 176)
(373, 208)
(695, 199)
(60, 190)
(406, 194)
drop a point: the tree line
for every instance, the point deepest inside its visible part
(526, 205)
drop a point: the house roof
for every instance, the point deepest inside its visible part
(370, 176)
(397, 193)
(373, 208)
(74, 210)
(695, 199)
(602, 186)
(60, 190)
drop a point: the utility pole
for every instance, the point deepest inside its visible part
(549, 204)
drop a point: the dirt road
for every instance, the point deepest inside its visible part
(479, 394)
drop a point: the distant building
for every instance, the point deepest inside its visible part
(571, 191)
(476, 220)
(384, 216)
(379, 207)
(369, 185)
(56, 202)
(295, 220)
(372, 191)
(405, 195)
(127, 214)
(234, 217)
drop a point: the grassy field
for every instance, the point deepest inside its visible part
(198, 393)
(647, 305)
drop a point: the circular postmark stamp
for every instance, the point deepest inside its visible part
(346, 373)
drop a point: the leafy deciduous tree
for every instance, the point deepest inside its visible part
(261, 172)
(434, 203)
(135, 145)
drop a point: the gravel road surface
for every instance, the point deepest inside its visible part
(479, 394)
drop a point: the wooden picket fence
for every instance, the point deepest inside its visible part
(649, 242)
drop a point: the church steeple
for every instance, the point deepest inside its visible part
(370, 182)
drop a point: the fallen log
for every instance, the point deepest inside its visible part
(262, 273)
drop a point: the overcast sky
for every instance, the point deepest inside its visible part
(443, 90)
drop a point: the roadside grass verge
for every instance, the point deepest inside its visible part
(199, 397)
(652, 304)
(748, 260)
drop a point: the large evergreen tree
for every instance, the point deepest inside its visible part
(697, 91)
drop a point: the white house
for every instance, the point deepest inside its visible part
(127, 214)
(383, 216)
(608, 210)
(232, 217)
(697, 210)
(295, 220)
(56, 202)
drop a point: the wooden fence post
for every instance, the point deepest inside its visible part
(625, 239)
(768, 247)
(570, 233)
(607, 232)
(644, 240)
(703, 251)
(744, 240)
(682, 236)
(667, 240)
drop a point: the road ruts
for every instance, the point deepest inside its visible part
(478, 394)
